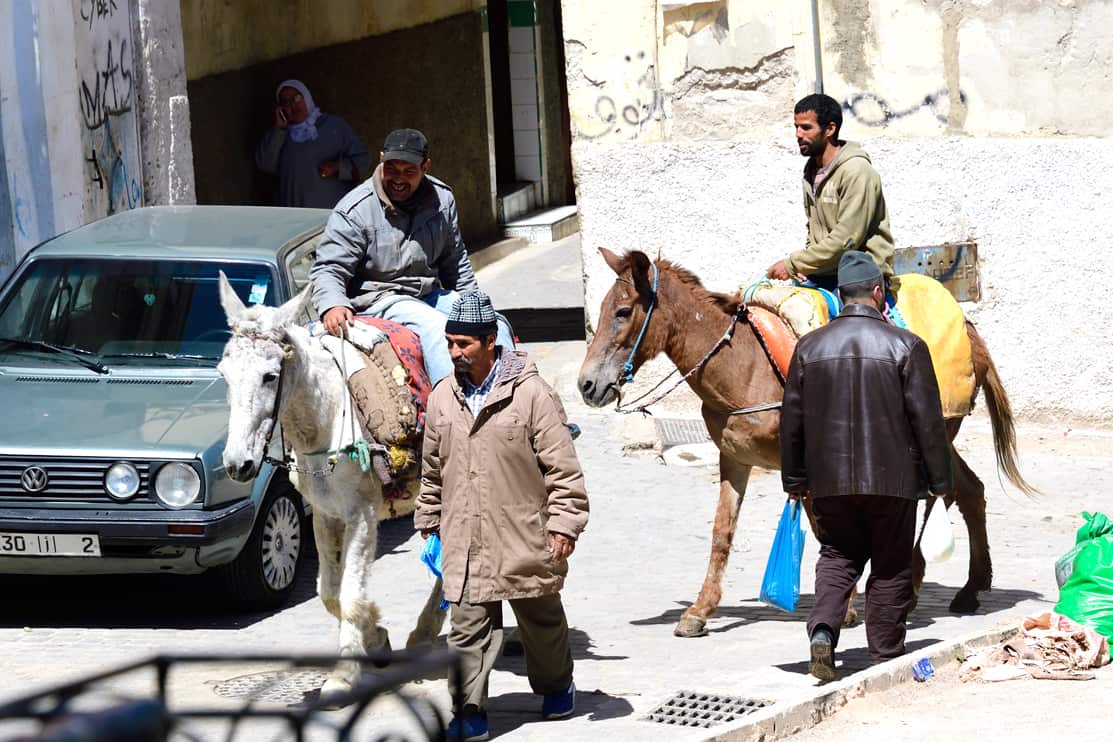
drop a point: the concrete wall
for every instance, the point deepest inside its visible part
(222, 36)
(972, 113)
(73, 76)
(432, 77)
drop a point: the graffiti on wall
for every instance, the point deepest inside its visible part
(639, 103)
(873, 110)
(106, 96)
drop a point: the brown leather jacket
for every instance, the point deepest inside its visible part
(861, 412)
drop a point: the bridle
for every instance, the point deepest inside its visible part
(742, 313)
(367, 455)
(287, 351)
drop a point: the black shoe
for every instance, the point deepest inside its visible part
(822, 664)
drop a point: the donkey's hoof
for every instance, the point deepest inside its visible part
(690, 627)
(851, 617)
(966, 601)
(333, 691)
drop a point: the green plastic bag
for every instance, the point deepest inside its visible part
(1087, 594)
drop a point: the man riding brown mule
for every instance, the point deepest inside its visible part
(658, 307)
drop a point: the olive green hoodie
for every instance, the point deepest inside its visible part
(847, 212)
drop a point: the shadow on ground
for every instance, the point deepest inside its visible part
(136, 601)
(933, 603)
(851, 660)
(513, 710)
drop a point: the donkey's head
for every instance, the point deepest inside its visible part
(622, 317)
(252, 366)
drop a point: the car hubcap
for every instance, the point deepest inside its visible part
(281, 543)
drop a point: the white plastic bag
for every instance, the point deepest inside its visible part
(937, 542)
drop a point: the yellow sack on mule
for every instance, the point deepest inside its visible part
(931, 312)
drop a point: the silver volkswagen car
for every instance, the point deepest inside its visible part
(114, 415)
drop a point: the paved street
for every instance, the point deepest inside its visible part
(638, 566)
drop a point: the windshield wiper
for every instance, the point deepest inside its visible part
(76, 354)
(160, 354)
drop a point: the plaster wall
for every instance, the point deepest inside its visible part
(432, 78)
(44, 187)
(977, 126)
(221, 36)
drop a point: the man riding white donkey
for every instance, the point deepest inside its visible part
(392, 249)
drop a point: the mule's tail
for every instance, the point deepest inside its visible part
(1000, 412)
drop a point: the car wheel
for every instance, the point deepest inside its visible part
(265, 572)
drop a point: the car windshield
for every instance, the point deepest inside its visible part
(126, 312)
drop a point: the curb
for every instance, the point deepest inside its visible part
(496, 251)
(786, 718)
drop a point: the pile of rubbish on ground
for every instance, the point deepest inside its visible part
(1069, 642)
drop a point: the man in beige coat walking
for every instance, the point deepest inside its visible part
(502, 485)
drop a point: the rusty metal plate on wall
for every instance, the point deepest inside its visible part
(954, 264)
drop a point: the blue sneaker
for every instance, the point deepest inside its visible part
(473, 728)
(559, 705)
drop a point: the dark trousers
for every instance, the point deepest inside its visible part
(853, 530)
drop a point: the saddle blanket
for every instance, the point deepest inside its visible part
(368, 332)
(924, 307)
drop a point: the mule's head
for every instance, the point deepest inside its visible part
(252, 366)
(621, 318)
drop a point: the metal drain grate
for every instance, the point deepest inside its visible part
(688, 709)
(274, 686)
(675, 432)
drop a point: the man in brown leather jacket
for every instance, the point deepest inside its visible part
(862, 435)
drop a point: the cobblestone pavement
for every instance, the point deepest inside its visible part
(639, 565)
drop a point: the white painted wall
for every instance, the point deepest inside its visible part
(76, 90)
(38, 126)
(993, 142)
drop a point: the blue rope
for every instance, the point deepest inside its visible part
(628, 367)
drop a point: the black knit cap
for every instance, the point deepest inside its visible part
(472, 314)
(856, 266)
(406, 144)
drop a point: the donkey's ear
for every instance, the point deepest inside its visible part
(616, 262)
(233, 307)
(290, 313)
(639, 268)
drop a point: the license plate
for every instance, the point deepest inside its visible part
(49, 544)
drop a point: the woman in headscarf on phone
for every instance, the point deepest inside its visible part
(316, 156)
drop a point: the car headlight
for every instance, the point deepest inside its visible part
(121, 481)
(177, 485)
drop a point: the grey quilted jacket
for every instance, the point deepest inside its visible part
(371, 249)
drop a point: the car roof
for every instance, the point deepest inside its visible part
(182, 232)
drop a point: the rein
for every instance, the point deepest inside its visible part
(743, 313)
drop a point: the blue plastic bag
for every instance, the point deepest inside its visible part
(781, 585)
(431, 555)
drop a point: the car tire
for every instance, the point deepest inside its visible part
(264, 574)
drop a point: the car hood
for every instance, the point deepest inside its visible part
(116, 414)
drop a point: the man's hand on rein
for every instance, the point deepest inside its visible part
(337, 320)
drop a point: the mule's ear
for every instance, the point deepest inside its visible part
(290, 313)
(616, 263)
(233, 307)
(639, 268)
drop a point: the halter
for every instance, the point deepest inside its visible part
(628, 367)
(367, 455)
(742, 313)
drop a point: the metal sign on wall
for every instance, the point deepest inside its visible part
(107, 90)
(954, 264)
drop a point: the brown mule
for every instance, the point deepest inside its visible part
(686, 321)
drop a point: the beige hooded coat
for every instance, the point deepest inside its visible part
(496, 484)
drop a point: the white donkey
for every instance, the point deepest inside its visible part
(276, 372)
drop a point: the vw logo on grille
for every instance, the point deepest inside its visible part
(34, 479)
